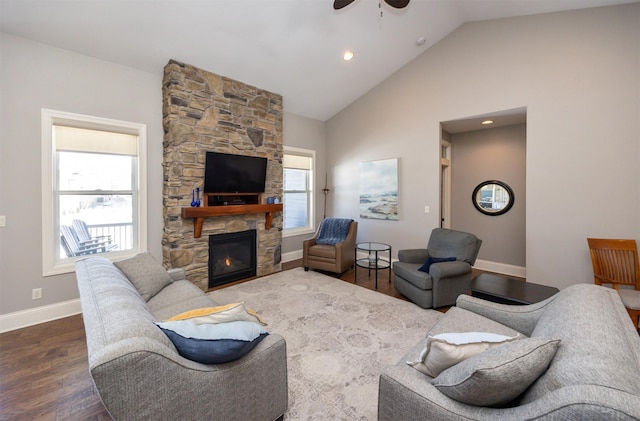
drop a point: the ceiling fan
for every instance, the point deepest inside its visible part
(398, 4)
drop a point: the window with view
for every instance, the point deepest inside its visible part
(298, 167)
(93, 185)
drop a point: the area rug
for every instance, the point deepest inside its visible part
(339, 337)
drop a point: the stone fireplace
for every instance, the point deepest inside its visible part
(204, 112)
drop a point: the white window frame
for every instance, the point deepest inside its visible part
(52, 264)
(310, 228)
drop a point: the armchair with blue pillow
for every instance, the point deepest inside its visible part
(436, 276)
(332, 248)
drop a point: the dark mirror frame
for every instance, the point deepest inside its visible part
(490, 212)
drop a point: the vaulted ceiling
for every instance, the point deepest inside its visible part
(290, 47)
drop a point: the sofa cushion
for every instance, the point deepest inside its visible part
(220, 314)
(447, 349)
(498, 375)
(116, 311)
(431, 260)
(145, 273)
(630, 298)
(213, 343)
(178, 297)
(320, 250)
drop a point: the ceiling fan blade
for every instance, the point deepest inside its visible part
(339, 4)
(398, 4)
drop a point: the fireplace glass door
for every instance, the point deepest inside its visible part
(232, 257)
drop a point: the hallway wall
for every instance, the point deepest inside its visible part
(491, 154)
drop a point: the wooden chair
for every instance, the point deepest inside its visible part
(615, 262)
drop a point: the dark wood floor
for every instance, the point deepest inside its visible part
(44, 371)
(44, 374)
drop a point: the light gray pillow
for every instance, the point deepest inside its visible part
(447, 349)
(146, 274)
(498, 375)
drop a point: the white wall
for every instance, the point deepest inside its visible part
(306, 133)
(36, 76)
(578, 74)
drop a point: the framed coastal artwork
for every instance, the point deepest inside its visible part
(379, 189)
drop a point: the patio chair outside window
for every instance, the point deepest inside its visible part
(73, 247)
(84, 236)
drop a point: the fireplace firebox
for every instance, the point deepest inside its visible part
(232, 257)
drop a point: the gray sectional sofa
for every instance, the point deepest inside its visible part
(140, 375)
(594, 375)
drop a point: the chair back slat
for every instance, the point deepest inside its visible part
(615, 262)
(70, 239)
(65, 246)
(81, 229)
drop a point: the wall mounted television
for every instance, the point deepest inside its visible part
(228, 173)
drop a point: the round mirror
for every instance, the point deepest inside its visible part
(492, 197)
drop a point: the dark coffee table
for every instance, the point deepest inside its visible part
(509, 291)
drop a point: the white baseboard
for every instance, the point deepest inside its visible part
(34, 316)
(291, 256)
(502, 268)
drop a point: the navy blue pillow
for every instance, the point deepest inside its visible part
(208, 351)
(431, 260)
(213, 344)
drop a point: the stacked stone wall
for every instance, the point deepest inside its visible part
(204, 112)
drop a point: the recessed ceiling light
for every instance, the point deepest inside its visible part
(487, 122)
(348, 55)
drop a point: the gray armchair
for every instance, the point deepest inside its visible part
(445, 280)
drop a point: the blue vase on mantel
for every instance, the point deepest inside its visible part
(195, 198)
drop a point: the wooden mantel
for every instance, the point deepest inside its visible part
(208, 211)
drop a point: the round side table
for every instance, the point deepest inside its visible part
(374, 260)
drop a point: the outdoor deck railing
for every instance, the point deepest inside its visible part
(121, 234)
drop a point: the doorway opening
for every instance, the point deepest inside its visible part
(471, 153)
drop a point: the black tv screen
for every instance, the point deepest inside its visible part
(227, 173)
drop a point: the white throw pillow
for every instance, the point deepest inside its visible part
(501, 374)
(447, 349)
